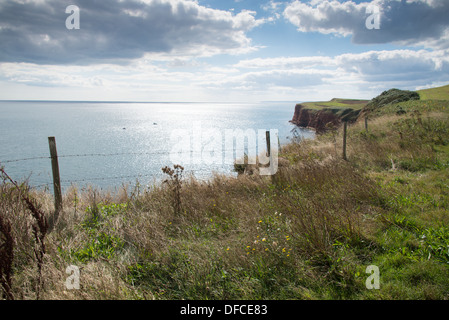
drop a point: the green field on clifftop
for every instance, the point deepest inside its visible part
(439, 93)
(337, 103)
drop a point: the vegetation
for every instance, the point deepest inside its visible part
(439, 93)
(340, 109)
(308, 233)
(392, 96)
(337, 103)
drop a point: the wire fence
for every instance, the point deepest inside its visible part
(58, 183)
(67, 182)
(86, 155)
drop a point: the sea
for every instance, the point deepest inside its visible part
(108, 145)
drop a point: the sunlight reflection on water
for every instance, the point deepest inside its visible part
(137, 133)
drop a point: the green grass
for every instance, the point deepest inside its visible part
(412, 106)
(337, 103)
(439, 93)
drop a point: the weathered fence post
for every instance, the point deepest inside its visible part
(56, 182)
(270, 156)
(366, 123)
(267, 135)
(345, 130)
(279, 144)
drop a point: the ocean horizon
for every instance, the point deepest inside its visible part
(106, 144)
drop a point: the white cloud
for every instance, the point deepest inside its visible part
(152, 50)
(118, 31)
(354, 74)
(285, 62)
(410, 23)
(361, 75)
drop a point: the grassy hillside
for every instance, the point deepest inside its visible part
(308, 233)
(440, 93)
(337, 103)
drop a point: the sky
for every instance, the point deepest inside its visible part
(220, 50)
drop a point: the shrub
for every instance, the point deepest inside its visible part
(390, 97)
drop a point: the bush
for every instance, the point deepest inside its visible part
(391, 96)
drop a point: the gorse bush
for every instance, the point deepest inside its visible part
(390, 97)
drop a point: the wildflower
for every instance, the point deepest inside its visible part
(227, 249)
(264, 239)
(260, 221)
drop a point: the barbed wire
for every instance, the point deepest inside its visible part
(68, 182)
(103, 155)
(84, 155)
(24, 159)
(123, 177)
(110, 154)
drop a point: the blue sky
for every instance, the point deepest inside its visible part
(218, 50)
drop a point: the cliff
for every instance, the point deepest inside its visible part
(325, 115)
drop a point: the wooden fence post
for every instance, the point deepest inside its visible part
(366, 123)
(56, 182)
(267, 135)
(279, 144)
(345, 130)
(268, 138)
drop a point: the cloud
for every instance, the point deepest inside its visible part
(406, 69)
(403, 22)
(115, 31)
(285, 62)
(273, 8)
(361, 75)
(369, 71)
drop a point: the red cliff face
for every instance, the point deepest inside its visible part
(320, 120)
